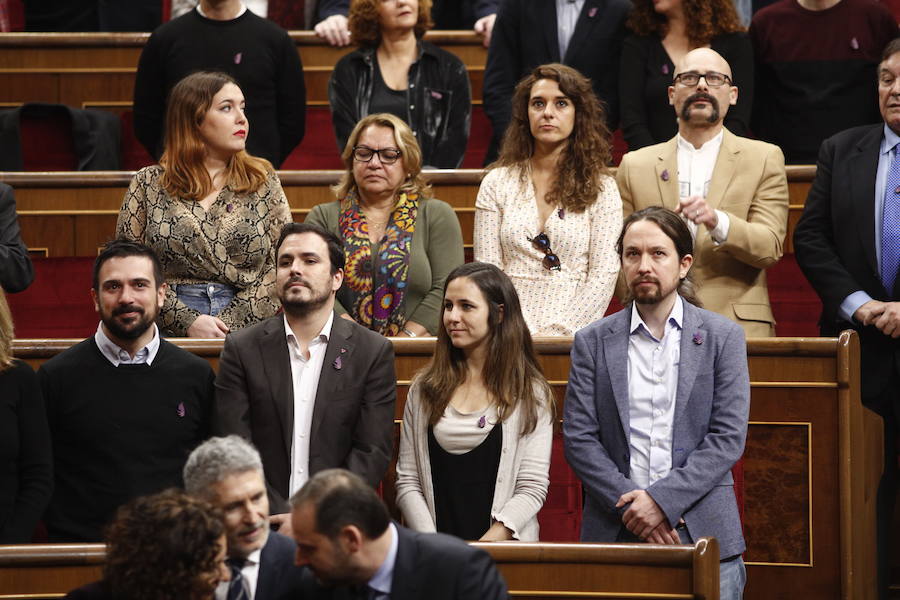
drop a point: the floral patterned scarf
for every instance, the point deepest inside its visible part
(375, 273)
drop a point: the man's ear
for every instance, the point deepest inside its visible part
(161, 295)
(337, 279)
(95, 299)
(350, 538)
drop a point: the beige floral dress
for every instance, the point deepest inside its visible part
(553, 302)
(231, 243)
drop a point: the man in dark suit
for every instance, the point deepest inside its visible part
(16, 271)
(848, 244)
(657, 405)
(345, 536)
(227, 472)
(586, 35)
(311, 390)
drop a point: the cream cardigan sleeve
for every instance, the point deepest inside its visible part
(415, 492)
(525, 484)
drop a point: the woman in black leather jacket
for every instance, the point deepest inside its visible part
(394, 71)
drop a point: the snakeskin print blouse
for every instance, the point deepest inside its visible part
(232, 243)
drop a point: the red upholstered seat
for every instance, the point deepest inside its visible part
(560, 517)
(318, 150)
(134, 155)
(46, 141)
(58, 304)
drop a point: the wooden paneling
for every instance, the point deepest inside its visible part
(96, 69)
(546, 571)
(811, 464)
(88, 202)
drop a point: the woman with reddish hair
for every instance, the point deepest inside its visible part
(210, 211)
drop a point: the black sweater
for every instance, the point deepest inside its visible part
(260, 55)
(25, 464)
(119, 432)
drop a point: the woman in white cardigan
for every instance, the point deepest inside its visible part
(478, 423)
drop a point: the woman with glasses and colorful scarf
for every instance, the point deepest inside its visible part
(478, 423)
(548, 213)
(399, 243)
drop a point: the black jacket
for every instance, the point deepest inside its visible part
(439, 101)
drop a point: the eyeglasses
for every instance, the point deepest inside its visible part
(542, 242)
(713, 79)
(387, 156)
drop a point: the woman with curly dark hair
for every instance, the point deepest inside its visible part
(395, 72)
(548, 213)
(663, 32)
(161, 547)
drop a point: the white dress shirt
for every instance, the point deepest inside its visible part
(695, 171)
(567, 12)
(250, 573)
(117, 356)
(652, 385)
(305, 377)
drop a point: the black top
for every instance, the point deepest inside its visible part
(464, 485)
(119, 432)
(815, 88)
(25, 465)
(16, 270)
(438, 101)
(259, 54)
(646, 74)
(385, 99)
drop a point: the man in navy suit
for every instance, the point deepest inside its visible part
(228, 473)
(848, 245)
(345, 536)
(586, 35)
(657, 405)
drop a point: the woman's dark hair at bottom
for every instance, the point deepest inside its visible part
(511, 374)
(159, 547)
(676, 230)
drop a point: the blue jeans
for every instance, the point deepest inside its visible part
(205, 298)
(732, 572)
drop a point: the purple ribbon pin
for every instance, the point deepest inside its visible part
(854, 44)
(561, 213)
(665, 69)
(229, 207)
(481, 422)
(180, 410)
(592, 13)
(697, 339)
(238, 57)
(664, 175)
(337, 364)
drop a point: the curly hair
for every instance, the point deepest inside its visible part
(705, 19)
(588, 151)
(162, 546)
(410, 154)
(365, 29)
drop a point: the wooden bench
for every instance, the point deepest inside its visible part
(96, 70)
(811, 464)
(72, 214)
(531, 570)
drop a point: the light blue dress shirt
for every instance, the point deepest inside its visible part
(567, 12)
(383, 578)
(885, 156)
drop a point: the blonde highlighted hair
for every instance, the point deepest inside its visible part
(184, 173)
(410, 154)
(7, 333)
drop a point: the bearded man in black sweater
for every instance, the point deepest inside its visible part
(125, 407)
(222, 35)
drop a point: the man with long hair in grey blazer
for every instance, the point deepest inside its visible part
(657, 406)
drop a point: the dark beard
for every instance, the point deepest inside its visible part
(132, 331)
(302, 308)
(686, 107)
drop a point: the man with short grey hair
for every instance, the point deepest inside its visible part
(228, 473)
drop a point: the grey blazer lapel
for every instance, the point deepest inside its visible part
(277, 367)
(615, 353)
(691, 352)
(335, 369)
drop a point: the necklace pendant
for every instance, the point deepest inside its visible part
(481, 422)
